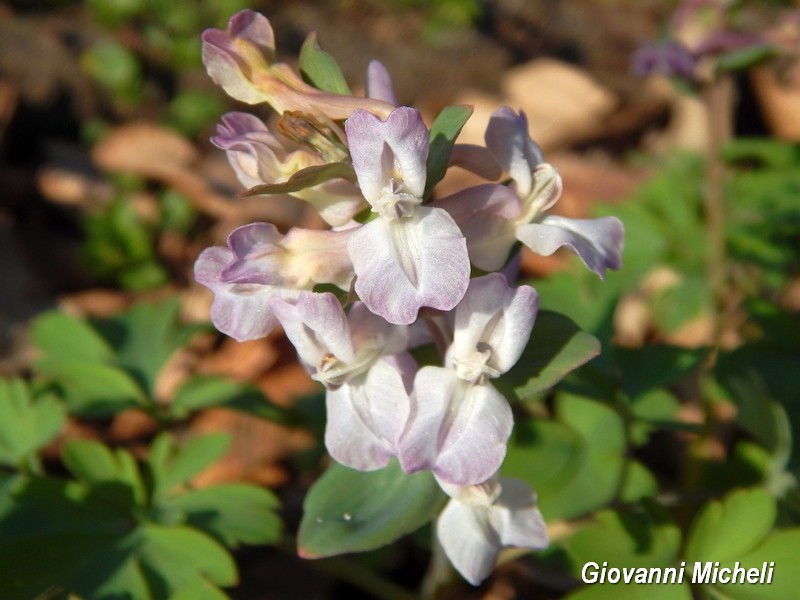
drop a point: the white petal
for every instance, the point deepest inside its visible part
(468, 540)
(598, 242)
(516, 518)
(365, 418)
(409, 263)
(457, 430)
(496, 317)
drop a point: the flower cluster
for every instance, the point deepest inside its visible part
(404, 261)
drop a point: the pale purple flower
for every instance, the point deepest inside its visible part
(493, 217)
(411, 255)
(258, 157)
(480, 520)
(359, 358)
(259, 263)
(459, 423)
(241, 60)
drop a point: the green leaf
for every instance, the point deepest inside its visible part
(171, 466)
(320, 69)
(779, 550)
(546, 452)
(732, 527)
(656, 366)
(201, 392)
(352, 511)
(181, 557)
(443, 134)
(66, 535)
(26, 424)
(145, 336)
(63, 339)
(94, 463)
(640, 537)
(94, 389)
(305, 178)
(234, 513)
(603, 473)
(556, 347)
(745, 58)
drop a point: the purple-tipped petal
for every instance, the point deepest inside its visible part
(409, 263)
(457, 430)
(240, 310)
(508, 140)
(256, 255)
(379, 83)
(598, 242)
(366, 417)
(492, 326)
(390, 154)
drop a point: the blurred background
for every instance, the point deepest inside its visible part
(681, 118)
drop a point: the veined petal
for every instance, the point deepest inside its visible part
(317, 327)
(508, 140)
(485, 214)
(240, 310)
(598, 242)
(494, 321)
(409, 263)
(390, 153)
(457, 430)
(468, 540)
(365, 418)
(379, 83)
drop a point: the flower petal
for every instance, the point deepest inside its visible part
(468, 540)
(240, 310)
(493, 317)
(516, 518)
(484, 214)
(379, 83)
(598, 242)
(317, 327)
(365, 418)
(383, 151)
(508, 140)
(457, 430)
(409, 263)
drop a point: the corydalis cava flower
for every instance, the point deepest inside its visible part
(259, 263)
(258, 157)
(480, 520)
(460, 423)
(241, 59)
(493, 217)
(412, 255)
(359, 358)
